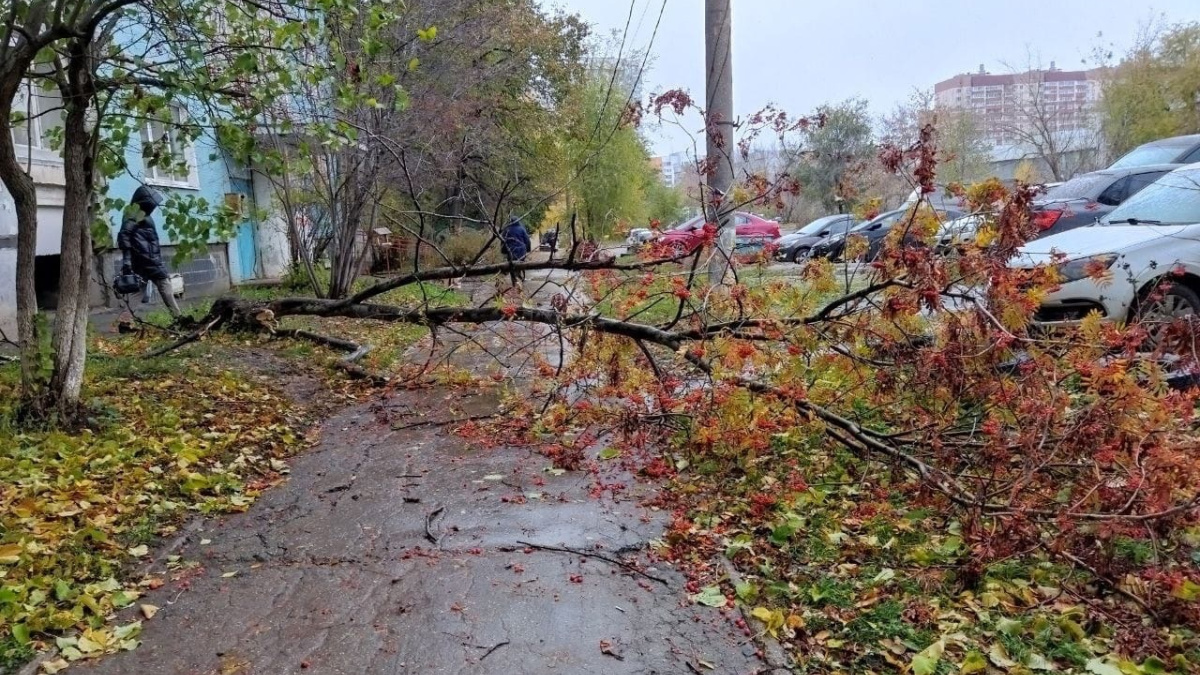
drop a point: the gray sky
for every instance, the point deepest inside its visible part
(801, 53)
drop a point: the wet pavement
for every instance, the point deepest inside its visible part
(396, 548)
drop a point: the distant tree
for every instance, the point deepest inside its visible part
(830, 154)
(606, 159)
(962, 148)
(1154, 92)
(1063, 135)
(664, 204)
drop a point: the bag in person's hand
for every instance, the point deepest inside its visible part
(128, 284)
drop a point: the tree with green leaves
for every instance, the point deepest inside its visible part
(832, 152)
(325, 146)
(606, 158)
(192, 66)
(482, 136)
(1154, 92)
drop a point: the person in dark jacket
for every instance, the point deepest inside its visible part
(516, 245)
(141, 253)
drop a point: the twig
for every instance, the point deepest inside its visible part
(1082, 564)
(348, 363)
(429, 518)
(442, 423)
(186, 339)
(597, 556)
(496, 646)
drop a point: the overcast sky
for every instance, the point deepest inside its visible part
(801, 53)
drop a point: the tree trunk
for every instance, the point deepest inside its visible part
(20, 185)
(70, 326)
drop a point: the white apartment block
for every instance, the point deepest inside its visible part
(1064, 99)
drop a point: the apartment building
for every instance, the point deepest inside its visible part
(1064, 99)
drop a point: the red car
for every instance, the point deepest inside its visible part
(751, 231)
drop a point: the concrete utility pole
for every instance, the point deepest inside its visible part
(719, 123)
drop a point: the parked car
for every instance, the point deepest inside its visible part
(1078, 202)
(1152, 237)
(795, 246)
(1175, 150)
(748, 227)
(637, 238)
(959, 232)
(939, 199)
(874, 231)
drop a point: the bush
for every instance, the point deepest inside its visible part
(462, 246)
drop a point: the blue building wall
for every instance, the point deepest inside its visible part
(213, 177)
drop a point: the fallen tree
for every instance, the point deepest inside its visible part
(1078, 446)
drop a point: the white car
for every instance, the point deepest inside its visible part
(959, 231)
(638, 237)
(1152, 237)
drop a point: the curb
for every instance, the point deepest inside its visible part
(773, 652)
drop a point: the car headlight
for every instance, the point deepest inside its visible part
(1085, 267)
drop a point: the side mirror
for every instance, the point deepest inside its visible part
(824, 233)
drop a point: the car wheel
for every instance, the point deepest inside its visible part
(1159, 307)
(800, 255)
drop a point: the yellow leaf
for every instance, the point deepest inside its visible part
(54, 666)
(10, 553)
(149, 611)
(773, 620)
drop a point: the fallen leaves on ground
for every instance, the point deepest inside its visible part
(170, 438)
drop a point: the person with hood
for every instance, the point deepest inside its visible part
(141, 253)
(514, 241)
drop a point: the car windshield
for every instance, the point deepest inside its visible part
(884, 220)
(1148, 154)
(817, 225)
(1173, 199)
(1079, 187)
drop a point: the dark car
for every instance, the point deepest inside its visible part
(794, 246)
(1078, 202)
(1175, 150)
(874, 231)
(1084, 199)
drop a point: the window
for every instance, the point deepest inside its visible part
(1141, 180)
(1192, 158)
(1148, 154)
(1115, 193)
(1174, 199)
(40, 112)
(167, 153)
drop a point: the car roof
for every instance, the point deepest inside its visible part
(1133, 170)
(1181, 141)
